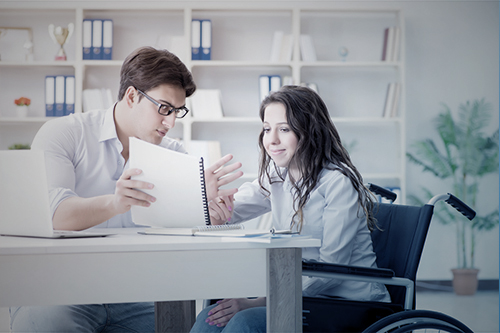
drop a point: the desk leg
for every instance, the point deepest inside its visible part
(174, 316)
(284, 290)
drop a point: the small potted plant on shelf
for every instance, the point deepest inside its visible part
(22, 106)
(467, 154)
(17, 146)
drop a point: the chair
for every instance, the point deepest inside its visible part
(398, 243)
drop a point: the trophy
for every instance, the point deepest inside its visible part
(60, 36)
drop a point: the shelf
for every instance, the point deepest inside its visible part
(350, 64)
(103, 63)
(37, 64)
(236, 63)
(34, 120)
(354, 90)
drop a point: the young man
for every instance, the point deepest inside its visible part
(90, 184)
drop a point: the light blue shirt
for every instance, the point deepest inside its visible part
(331, 214)
(83, 158)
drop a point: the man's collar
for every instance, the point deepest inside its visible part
(108, 129)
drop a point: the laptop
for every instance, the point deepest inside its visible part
(24, 197)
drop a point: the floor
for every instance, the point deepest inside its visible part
(479, 312)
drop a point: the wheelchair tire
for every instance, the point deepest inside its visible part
(407, 321)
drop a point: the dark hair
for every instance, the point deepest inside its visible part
(147, 68)
(318, 147)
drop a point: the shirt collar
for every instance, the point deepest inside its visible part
(108, 129)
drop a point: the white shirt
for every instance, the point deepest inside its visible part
(331, 214)
(83, 158)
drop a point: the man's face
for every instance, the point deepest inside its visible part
(149, 125)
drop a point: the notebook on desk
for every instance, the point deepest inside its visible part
(24, 197)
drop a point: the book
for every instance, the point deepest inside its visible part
(69, 98)
(268, 84)
(195, 40)
(194, 230)
(276, 46)
(87, 39)
(224, 230)
(282, 47)
(179, 187)
(391, 45)
(207, 103)
(50, 84)
(389, 100)
(96, 99)
(206, 39)
(96, 39)
(60, 88)
(286, 48)
(107, 39)
(307, 50)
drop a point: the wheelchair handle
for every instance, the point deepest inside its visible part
(382, 192)
(456, 203)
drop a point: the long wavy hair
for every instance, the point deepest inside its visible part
(319, 147)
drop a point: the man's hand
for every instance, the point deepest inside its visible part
(219, 175)
(127, 192)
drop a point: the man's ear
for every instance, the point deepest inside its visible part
(130, 96)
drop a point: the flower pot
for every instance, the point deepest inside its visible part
(465, 281)
(22, 111)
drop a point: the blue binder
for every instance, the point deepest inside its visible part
(59, 95)
(206, 39)
(107, 39)
(69, 95)
(50, 91)
(196, 40)
(87, 39)
(96, 39)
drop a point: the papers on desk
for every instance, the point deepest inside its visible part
(232, 230)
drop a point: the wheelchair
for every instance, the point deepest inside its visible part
(398, 243)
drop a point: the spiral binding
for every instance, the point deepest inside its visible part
(220, 227)
(204, 193)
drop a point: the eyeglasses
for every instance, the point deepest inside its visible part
(167, 109)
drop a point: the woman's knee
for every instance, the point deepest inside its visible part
(249, 320)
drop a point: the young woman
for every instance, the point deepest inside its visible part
(308, 181)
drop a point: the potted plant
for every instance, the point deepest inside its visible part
(465, 155)
(22, 105)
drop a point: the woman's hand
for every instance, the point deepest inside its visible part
(227, 308)
(218, 175)
(221, 209)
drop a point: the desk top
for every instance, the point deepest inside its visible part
(128, 239)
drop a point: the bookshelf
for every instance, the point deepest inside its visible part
(354, 88)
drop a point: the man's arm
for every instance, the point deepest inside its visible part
(77, 213)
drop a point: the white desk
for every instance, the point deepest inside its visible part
(128, 267)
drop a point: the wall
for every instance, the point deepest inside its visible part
(451, 56)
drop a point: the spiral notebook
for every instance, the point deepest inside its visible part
(179, 187)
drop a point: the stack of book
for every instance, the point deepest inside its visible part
(201, 39)
(59, 95)
(390, 51)
(97, 39)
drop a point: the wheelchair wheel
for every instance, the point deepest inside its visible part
(415, 320)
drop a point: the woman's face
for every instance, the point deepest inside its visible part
(279, 140)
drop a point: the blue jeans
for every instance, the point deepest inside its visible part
(251, 320)
(122, 317)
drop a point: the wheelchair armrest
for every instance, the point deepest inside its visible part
(313, 265)
(315, 268)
